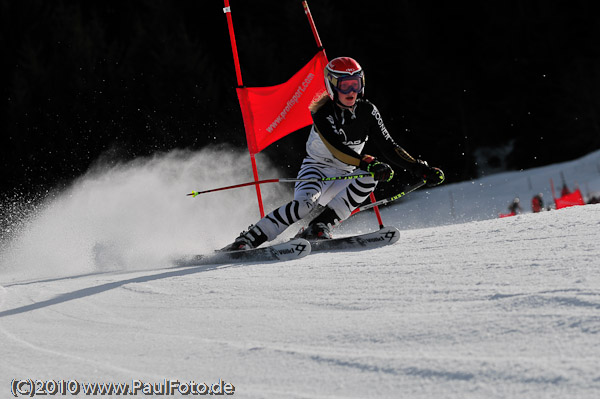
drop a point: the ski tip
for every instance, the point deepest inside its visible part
(390, 233)
(301, 246)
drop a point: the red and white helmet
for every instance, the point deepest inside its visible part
(344, 74)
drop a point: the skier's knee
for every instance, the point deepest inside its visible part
(306, 206)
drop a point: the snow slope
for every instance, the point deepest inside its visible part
(465, 305)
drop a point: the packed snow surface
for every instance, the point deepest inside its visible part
(465, 305)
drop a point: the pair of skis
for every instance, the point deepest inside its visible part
(295, 249)
(299, 248)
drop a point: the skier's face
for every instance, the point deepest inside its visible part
(349, 99)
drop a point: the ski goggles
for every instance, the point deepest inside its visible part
(348, 84)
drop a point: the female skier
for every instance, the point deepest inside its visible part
(342, 124)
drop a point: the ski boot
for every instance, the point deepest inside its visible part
(247, 240)
(321, 226)
(317, 231)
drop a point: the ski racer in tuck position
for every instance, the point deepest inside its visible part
(342, 123)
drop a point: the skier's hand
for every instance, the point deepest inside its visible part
(432, 176)
(381, 171)
(435, 178)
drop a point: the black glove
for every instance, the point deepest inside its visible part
(432, 176)
(381, 171)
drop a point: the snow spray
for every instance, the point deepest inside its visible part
(136, 215)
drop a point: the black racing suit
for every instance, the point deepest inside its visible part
(339, 135)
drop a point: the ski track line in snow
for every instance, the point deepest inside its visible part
(104, 365)
(55, 279)
(38, 348)
(22, 342)
(82, 293)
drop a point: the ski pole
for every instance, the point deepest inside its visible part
(282, 180)
(410, 189)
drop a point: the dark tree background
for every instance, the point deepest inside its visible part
(83, 79)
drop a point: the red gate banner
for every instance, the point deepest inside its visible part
(572, 199)
(273, 112)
